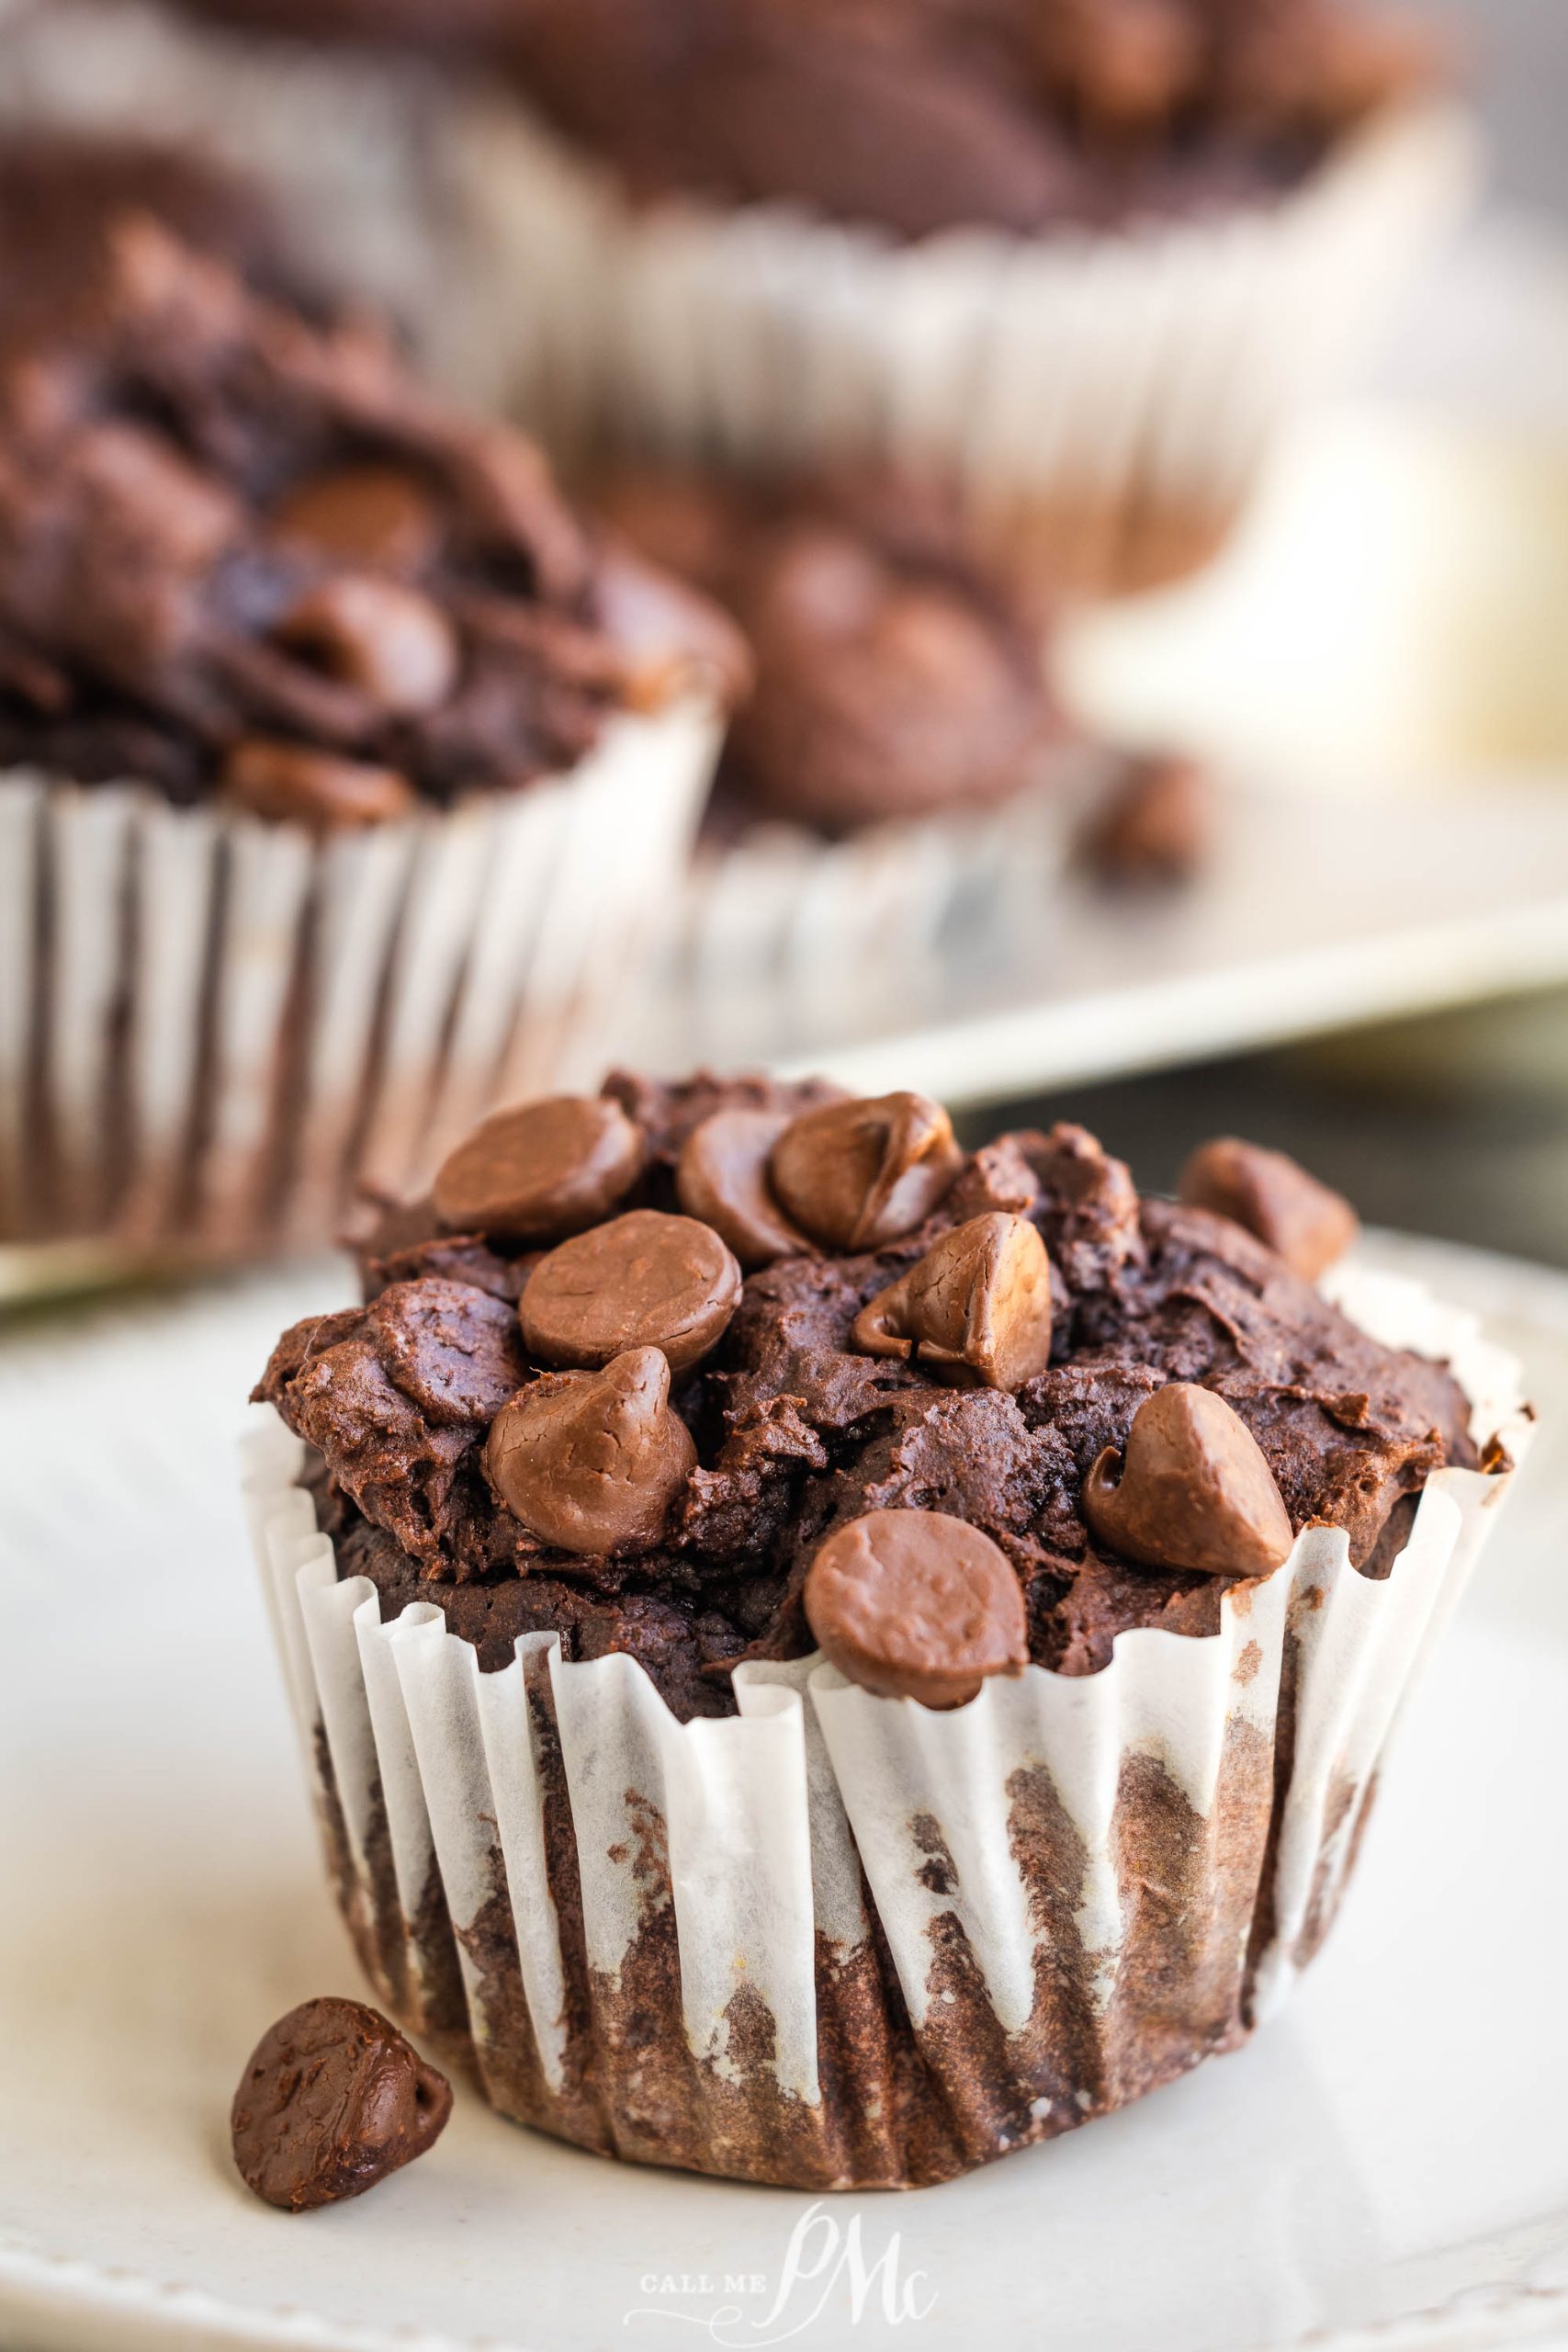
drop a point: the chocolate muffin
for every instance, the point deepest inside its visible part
(1016, 115)
(707, 1383)
(60, 196)
(896, 674)
(1019, 115)
(261, 591)
(244, 557)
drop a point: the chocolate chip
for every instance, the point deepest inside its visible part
(643, 1281)
(288, 784)
(1157, 826)
(375, 518)
(722, 1177)
(386, 640)
(333, 2099)
(913, 1604)
(1306, 1224)
(1124, 68)
(538, 1171)
(594, 1460)
(1195, 1490)
(452, 1348)
(975, 1308)
(857, 1175)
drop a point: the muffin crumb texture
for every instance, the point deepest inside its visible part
(1004, 1337)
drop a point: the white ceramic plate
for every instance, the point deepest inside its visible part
(1386, 2164)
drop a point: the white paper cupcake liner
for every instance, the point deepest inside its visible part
(1126, 383)
(212, 1029)
(841, 1940)
(778, 928)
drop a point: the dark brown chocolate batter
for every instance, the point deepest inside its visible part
(895, 671)
(243, 555)
(798, 1431)
(926, 115)
(921, 115)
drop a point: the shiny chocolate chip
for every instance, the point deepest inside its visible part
(537, 1171)
(859, 1174)
(1267, 1193)
(643, 1281)
(975, 1308)
(913, 1604)
(722, 1177)
(331, 2100)
(287, 784)
(379, 518)
(593, 1461)
(1193, 1491)
(386, 640)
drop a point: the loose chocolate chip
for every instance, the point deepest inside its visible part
(643, 1281)
(538, 1171)
(975, 1308)
(1266, 1192)
(594, 1460)
(722, 1177)
(288, 784)
(331, 2100)
(1157, 826)
(387, 641)
(1195, 1491)
(913, 1604)
(375, 518)
(857, 1175)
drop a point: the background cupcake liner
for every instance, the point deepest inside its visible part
(212, 1029)
(839, 1941)
(1111, 392)
(779, 924)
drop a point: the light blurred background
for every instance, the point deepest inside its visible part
(1455, 1124)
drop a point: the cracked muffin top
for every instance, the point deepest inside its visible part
(722, 1370)
(247, 557)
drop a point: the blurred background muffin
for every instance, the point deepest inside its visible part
(1081, 259)
(347, 774)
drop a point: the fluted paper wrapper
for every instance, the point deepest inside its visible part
(843, 1941)
(779, 924)
(213, 1030)
(1111, 392)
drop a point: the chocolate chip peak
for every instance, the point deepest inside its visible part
(1274, 1198)
(331, 2100)
(722, 1177)
(857, 1175)
(538, 1171)
(975, 1308)
(1194, 1492)
(643, 1281)
(593, 1461)
(913, 1604)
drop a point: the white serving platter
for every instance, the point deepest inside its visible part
(1383, 2170)
(1317, 911)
